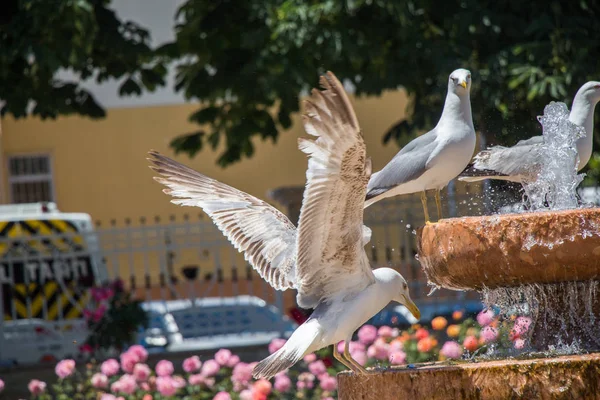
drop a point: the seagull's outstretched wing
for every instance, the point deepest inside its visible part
(262, 233)
(505, 163)
(409, 164)
(331, 257)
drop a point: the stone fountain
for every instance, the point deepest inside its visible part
(545, 264)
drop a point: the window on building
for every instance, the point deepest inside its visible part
(30, 178)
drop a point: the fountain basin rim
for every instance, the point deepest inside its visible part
(475, 253)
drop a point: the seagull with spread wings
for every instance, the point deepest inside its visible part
(324, 259)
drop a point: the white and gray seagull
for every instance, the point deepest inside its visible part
(435, 158)
(521, 162)
(324, 259)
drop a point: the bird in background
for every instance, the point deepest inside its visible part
(432, 160)
(324, 258)
(521, 161)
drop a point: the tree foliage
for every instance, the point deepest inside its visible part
(248, 62)
(39, 38)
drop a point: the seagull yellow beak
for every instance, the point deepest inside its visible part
(412, 307)
(463, 84)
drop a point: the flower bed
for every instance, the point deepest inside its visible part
(225, 376)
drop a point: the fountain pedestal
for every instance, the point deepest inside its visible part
(548, 260)
(567, 377)
(545, 265)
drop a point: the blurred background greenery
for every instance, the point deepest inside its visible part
(249, 62)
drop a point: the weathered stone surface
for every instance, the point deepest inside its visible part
(510, 250)
(568, 377)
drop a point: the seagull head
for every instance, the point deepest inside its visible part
(460, 81)
(396, 284)
(590, 91)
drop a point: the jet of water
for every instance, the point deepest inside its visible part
(557, 180)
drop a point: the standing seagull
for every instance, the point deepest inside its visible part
(324, 259)
(521, 161)
(435, 158)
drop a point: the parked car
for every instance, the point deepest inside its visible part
(212, 323)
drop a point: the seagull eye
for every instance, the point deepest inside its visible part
(454, 79)
(469, 76)
(404, 286)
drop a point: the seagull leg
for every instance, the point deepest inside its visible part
(425, 210)
(355, 364)
(338, 356)
(438, 203)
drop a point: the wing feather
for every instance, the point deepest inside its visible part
(407, 165)
(331, 237)
(262, 233)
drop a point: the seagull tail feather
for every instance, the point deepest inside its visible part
(294, 349)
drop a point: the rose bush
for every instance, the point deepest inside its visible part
(226, 377)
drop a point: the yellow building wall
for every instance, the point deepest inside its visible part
(100, 166)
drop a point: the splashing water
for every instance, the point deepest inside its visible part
(557, 180)
(564, 313)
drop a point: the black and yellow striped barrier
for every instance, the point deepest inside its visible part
(44, 269)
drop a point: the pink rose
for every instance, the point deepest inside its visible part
(1, 385)
(486, 317)
(397, 357)
(36, 387)
(367, 334)
(276, 344)
(379, 350)
(110, 367)
(64, 368)
(451, 349)
(521, 327)
(139, 351)
(127, 384)
(222, 356)
(282, 383)
(524, 322)
(489, 334)
(99, 381)
(141, 372)
(196, 379)
(317, 368)
(242, 374)
(179, 382)
(115, 387)
(222, 396)
(395, 346)
(360, 357)
(166, 385)
(519, 344)
(210, 368)
(233, 361)
(192, 364)
(107, 396)
(246, 394)
(328, 383)
(310, 358)
(305, 381)
(164, 368)
(128, 361)
(145, 386)
(385, 332)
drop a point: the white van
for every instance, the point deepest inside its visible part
(48, 262)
